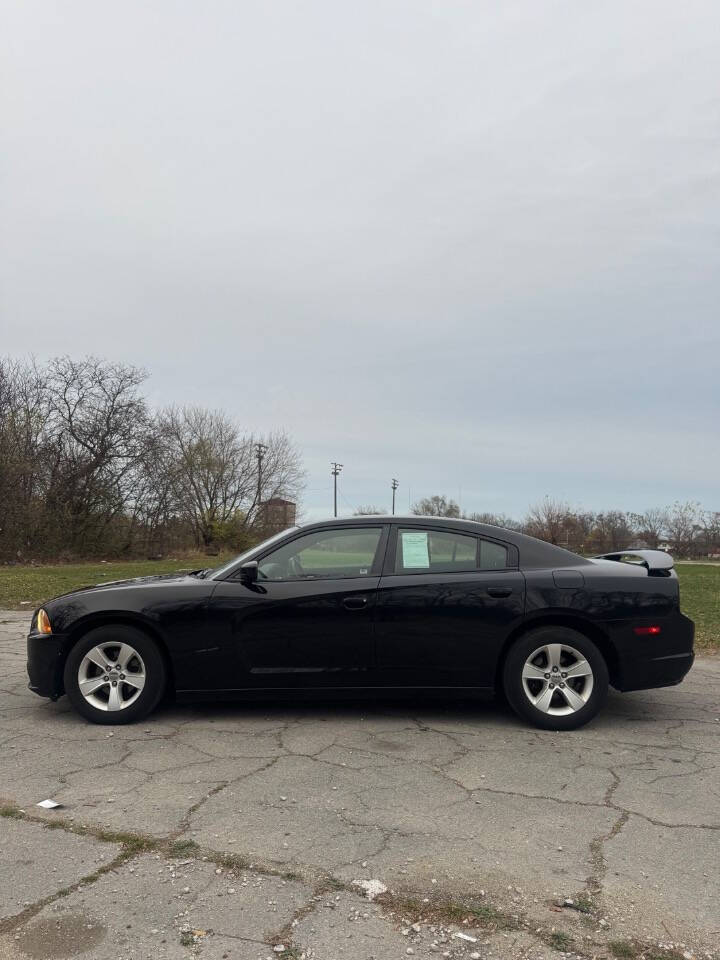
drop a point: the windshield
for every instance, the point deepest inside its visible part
(220, 572)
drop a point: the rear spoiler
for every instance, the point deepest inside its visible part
(657, 562)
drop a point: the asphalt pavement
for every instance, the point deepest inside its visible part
(350, 831)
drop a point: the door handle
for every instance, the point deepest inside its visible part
(355, 603)
(499, 591)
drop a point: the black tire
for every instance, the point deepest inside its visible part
(154, 672)
(519, 698)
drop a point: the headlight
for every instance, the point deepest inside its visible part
(43, 622)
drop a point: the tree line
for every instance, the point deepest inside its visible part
(685, 528)
(88, 468)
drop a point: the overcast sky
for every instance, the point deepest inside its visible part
(471, 245)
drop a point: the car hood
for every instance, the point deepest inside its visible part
(133, 582)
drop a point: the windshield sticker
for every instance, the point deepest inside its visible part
(415, 554)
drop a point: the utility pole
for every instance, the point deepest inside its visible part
(336, 468)
(395, 485)
(260, 449)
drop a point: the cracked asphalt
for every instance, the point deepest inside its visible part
(231, 830)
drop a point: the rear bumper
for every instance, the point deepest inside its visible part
(45, 664)
(655, 661)
(657, 672)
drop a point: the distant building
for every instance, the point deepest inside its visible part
(277, 514)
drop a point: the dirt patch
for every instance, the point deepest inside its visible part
(55, 938)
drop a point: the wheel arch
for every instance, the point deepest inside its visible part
(121, 617)
(588, 628)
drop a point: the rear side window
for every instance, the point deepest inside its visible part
(442, 551)
(493, 556)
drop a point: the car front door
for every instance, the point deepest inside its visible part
(308, 619)
(446, 601)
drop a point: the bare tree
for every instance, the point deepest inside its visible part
(210, 467)
(156, 521)
(548, 520)
(436, 506)
(682, 526)
(95, 435)
(23, 414)
(710, 523)
(495, 519)
(86, 468)
(651, 525)
(71, 434)
(214, 471)
(282, 472)
(613, 530)
(369, 511)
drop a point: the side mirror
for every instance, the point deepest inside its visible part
(249, 572)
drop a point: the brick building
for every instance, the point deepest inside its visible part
(277, 514)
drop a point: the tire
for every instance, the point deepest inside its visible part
(126, 692)
(541, 691)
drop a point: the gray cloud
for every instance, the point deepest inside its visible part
(471, 245)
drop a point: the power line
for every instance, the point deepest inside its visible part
(352, 506)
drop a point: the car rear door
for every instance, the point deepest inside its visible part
(446, 601)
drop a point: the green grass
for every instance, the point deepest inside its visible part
(700, 600)
(25, 587)
(559, 940)
(623, 949)
(582, 903)
(183, 848)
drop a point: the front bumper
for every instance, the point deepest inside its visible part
(45, 664)
(655, 661)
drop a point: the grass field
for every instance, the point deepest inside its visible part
(24, 588)
(700, 600)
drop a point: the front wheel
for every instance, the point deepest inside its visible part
(556, 678)
(114, 674)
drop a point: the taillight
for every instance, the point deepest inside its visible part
(43, 622)
(646, 631)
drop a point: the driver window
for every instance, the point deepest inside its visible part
(326, 554)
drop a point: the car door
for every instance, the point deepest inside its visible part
(446, 601)
(308, 619)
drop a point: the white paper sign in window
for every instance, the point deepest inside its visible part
(415, 554)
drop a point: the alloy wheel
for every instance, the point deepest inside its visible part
(557, 679)
(111, 676)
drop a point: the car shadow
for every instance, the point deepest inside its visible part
(326, 707)
(621, 708)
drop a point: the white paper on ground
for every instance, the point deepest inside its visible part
(372, 888)
(48, 804)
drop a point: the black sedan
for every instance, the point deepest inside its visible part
(381, 605)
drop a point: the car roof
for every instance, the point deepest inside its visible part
(533, 552)
(409, 518)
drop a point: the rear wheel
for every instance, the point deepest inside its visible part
(115, 674)
(556, 678)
